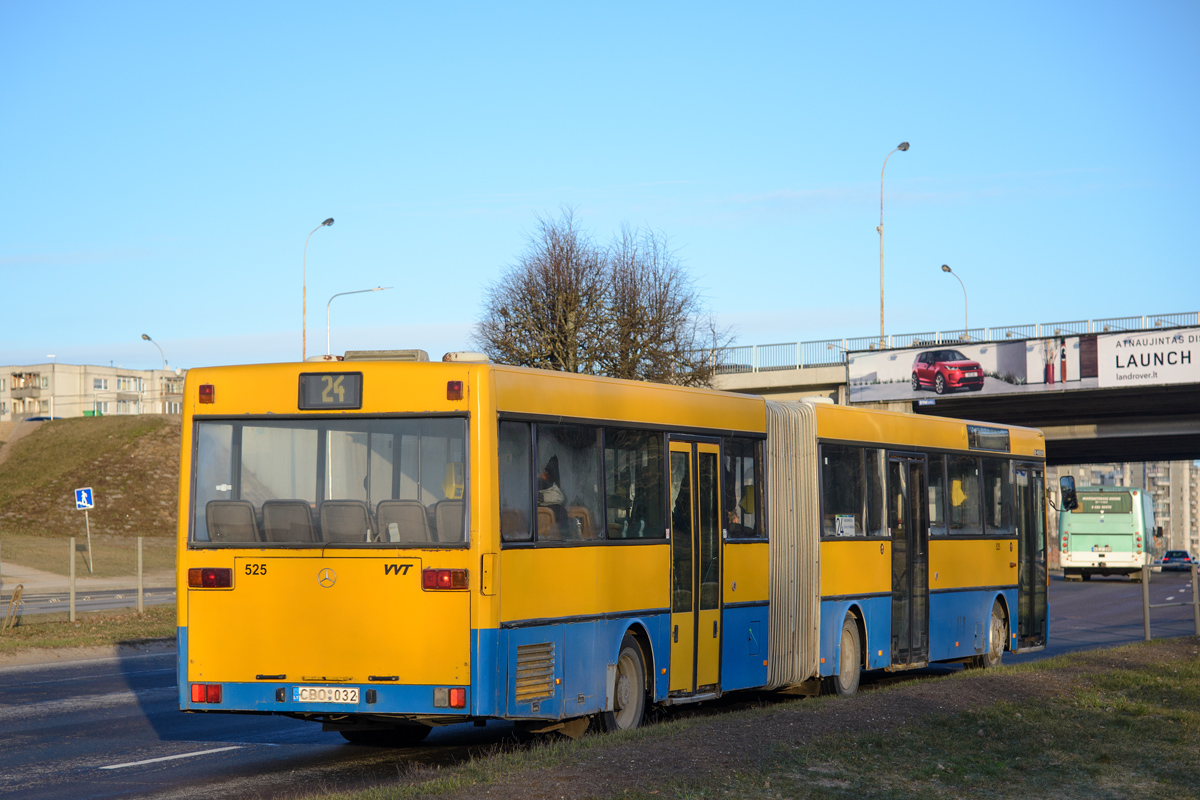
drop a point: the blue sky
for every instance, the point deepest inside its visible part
(162, 164)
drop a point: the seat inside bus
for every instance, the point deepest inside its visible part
(346, 521)
(231, 521)
(448, 517)
(403, 521)
(287, 521)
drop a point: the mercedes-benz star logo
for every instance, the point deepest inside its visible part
(327, 577)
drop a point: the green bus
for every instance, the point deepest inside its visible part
(1110, 531)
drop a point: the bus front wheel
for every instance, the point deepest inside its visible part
(629, 689)
(845, 680)
(997, 635)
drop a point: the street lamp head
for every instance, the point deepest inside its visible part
(330, 220)
(945, 267)
(902, 147)
(146, 336)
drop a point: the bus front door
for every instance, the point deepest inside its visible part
(1031, 557)
(695, 567)
(908, 525)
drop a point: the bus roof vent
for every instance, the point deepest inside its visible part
(466, 357)
(386, 355)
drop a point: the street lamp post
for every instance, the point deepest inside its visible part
(162, 390)
(53, 364)
(304, 309)
(966, 327)
(901, 147)
(339, 294)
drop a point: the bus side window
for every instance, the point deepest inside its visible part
(873, 462)
(937, 495)
(516, 482)
(633, 464)
(741, 480)
(997, 496)
(842, 490)
(965, 516)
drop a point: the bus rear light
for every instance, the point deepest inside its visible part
(207, 393)
(455, 697)
(206, 692)
(434, 579)
(210, 578)
(454, 390)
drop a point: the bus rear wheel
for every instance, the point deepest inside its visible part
(403, 736)
(629, 690)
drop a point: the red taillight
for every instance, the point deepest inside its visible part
(454, 390)
(210, 578)
(458, 697)
(208, 393)
(444, 579)
(206, 692)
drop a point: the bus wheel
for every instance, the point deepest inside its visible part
(845, 681)
(629, 700)
(1085, 575)
(402, 736)
(997, 634)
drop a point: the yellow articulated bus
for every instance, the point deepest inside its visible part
(386, 545)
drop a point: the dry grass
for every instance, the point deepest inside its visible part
(91, 629)
(112, 556)
(132, 463)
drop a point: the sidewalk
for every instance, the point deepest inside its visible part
(37, 581)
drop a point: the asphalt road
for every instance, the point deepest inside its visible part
(111, 728)
(96, 600)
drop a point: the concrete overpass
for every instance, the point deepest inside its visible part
(1084, 423)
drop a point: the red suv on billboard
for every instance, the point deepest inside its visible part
(946, 370)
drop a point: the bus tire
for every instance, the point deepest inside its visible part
(1085, 575)
(400, 736)
(845, 681)
(997, 636)
(629, 691)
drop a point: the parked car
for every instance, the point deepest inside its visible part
(946, 370)
(1177, 559)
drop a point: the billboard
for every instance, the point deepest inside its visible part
(972, 369)
(1055, 363)
(1148, 358)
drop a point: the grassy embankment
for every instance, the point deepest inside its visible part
(131, 463)
(91, 629)
(1115, 723)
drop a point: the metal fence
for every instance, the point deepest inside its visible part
(832, 352)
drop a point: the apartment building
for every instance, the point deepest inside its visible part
(85, 390)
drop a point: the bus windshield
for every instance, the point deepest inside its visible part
(330, 482)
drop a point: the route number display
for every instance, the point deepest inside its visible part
(330, 390)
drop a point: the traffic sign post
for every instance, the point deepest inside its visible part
(84, 500)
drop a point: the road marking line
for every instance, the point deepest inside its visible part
(171, 758)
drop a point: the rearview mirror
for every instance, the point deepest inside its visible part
(1066, 486)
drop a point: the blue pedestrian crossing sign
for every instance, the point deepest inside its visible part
(84, 499)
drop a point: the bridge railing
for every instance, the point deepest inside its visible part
(832, 352)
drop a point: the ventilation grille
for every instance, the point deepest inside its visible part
(535, 671)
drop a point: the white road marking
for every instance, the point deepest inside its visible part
(172, 758)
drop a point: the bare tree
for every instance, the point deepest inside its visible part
(548, 309)
(628, 311)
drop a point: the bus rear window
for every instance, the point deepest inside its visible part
(330, 483)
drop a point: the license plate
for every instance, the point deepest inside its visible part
(970, 374)
(347, 695)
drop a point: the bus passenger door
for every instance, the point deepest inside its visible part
(908, 525)
(695, 567)
(1031, 557)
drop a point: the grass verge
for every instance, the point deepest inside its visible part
(1104, 724)
(113, 556)
(90, 629)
